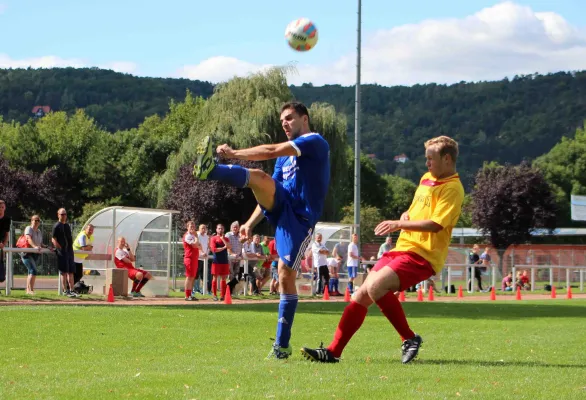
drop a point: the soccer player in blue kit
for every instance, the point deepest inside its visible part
(292, 199)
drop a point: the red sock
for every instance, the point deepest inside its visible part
(141, 284)
(223, 286)
(392, 309)
(187, 292)
(351, 320)
(134, 285)
(215, 286)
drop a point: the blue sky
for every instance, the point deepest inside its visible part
(218, 39)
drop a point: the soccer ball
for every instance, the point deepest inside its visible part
(301, 34)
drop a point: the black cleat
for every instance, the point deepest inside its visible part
(319, 355)
(410, 348)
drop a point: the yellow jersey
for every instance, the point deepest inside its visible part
(438, 200)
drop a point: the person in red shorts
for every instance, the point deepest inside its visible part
(420, 252)
(191, 248)
(220, 264)
(123, 258)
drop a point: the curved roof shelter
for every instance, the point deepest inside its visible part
(149, 234)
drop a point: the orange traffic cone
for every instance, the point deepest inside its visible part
(553, 295)
(326, 293)
(569, 295)
(402, 296)
(419, 295)
(430, 296)
(492, 294)
(228, 296)
(111, 295)
(347, 295)
(518, 292)
(460, 292)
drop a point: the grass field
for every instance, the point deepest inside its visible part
(524, 350)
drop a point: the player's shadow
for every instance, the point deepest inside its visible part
(508, 311)
(488, 363)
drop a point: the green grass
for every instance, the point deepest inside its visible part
(516, 350)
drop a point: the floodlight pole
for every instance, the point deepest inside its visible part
(357, 127)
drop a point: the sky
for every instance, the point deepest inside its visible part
(403, 42)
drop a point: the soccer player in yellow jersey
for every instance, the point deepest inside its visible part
(420, 252)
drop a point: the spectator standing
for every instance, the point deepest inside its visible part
(320, 262)
(83, 241)
(333, 265)
(385, 247)
(34, 237)
(474, 259)
(235, 254)
(274, 267)
(353, 261)
(265, 266)
(219, 245)
(191, 248)
(5, 222)
(204, 250)
(63, 242)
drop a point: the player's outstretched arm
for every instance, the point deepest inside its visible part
(259, 153)
(427, 225)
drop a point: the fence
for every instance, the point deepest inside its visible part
(555, 265)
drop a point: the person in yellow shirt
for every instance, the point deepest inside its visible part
(420, 252)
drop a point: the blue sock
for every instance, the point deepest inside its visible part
(351, 287)
(233, 175)
(287, 307)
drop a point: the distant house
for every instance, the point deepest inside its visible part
(40, 111)
(371, 156)
(401, 158)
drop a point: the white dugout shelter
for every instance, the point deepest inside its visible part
(149, 234)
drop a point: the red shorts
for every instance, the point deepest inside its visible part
(220, 269)
(411, 268)
(133, 271)
(191, 265)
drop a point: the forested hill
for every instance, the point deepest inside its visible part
(506, 121)
(117, 101)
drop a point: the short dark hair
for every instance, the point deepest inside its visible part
(299, 108)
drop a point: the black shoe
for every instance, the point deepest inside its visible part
(221, 299)
(190, 298)
(410, 348)
(319, 355)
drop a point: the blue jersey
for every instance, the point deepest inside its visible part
(306, 177)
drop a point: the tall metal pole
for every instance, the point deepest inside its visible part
(357, 126)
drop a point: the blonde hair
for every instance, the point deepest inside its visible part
(446, 145)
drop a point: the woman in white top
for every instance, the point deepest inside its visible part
(34, 237)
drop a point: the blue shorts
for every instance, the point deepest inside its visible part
(352, 272)
(30, 262)
(293, 233)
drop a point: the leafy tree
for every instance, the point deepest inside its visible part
(244, 112)
(465, 220)
(27, 193)
(510, 202)
(210, 202)
(372, 185)
(564, 167)
(398, 196)
(370, 217)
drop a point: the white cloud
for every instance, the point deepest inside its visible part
(219, 69)
(498, 41)
(58, 62)
(126, 67)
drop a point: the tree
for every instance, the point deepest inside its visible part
(210, 202)
(398, 197)
(27, 193)
(370, 217)
(244, 112)
(510, 202)
(372, 185)
(564, 167)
